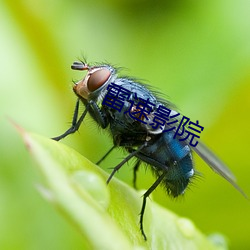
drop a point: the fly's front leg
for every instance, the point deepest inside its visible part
(93, 109)
(97, 114)
(104, 157)
(75, 123)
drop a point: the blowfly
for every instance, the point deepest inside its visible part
(148, 127)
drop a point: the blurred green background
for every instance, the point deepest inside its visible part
(196, 53)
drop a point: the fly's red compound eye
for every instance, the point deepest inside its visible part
(97, 79)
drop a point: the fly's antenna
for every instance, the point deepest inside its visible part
(80, 66)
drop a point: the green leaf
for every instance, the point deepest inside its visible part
(107, 215)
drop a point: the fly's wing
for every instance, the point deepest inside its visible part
(208, 156)
(217, 165)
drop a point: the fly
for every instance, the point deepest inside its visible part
(128, 109)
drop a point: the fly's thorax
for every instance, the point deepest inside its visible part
(95, 81)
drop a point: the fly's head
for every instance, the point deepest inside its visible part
(96, 78)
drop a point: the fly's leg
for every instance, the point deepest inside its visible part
(75, 124)
(125, 160)
(105, 155)
(145, 196)
(97, 114)
(135, 169)
(91, 107)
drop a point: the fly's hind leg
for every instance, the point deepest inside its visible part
(145, 196)
(135, 169)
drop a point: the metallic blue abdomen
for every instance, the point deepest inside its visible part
(171, 156)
